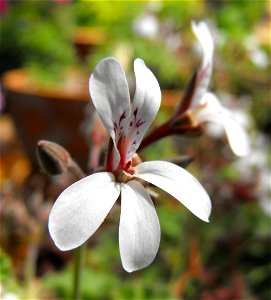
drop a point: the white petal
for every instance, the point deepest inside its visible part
(210, 108)
(179, 183)
(110, 95)
(203, 35)
(237, 136)
(204, 73)
(146, 104)
(139, 231)
(214, 112)
(81, 208)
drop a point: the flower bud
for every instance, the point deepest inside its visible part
(182, 161)
(53, 158)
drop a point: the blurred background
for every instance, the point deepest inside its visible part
(48, 50)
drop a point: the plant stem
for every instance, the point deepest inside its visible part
(79, 258)
(30, 269)
(155, 135)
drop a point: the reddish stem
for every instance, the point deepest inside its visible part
(168, 129)
(109, 158)
(187, 96)
(158, 133)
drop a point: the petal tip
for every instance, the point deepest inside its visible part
(244, 149)
(129, 270)
(203, 34)
(139, 61)
(205, 217)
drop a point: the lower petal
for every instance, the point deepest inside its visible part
(139, 231)
(81, 208)
(179, 183)
(236, 135)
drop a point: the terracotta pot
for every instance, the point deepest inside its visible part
(86, 39)
(54, 113)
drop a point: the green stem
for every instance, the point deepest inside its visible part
(79, 258)
(30, 268)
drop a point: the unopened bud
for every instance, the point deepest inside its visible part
(182, 161)
(53, 158)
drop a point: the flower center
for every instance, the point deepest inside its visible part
(123, 176)
(125, 172)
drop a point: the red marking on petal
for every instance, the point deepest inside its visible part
(115, 128)
(122, 117)
(135, 112)
(134, 142)
(139, 123)
(131, 124)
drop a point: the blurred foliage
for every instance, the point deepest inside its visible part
(231, 255)
(6, 267)
(33, 36)
(236, 19)
(233, 25)
(120, 31)
(8, 279)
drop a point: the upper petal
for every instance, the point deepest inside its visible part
(205, 71)
(213, 111)
(139, 231)
(110, 95)
(178, 183)
(146, 104)
(81, 208)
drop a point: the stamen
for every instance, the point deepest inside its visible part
(122, 176)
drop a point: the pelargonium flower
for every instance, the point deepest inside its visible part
(205, 107)
(82, 207)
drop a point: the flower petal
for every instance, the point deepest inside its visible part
(110, 95)
(146, 104)
(179, 183)
(236, 135)
(213, 111)
(81, 208)
(204, 73)
(139, 231)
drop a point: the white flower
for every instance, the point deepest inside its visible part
(257, 56)
(263, 190)
(10, 296)
(81, 208)
(205, 106)
(6, 295)
(256, 168)
(147, 26)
